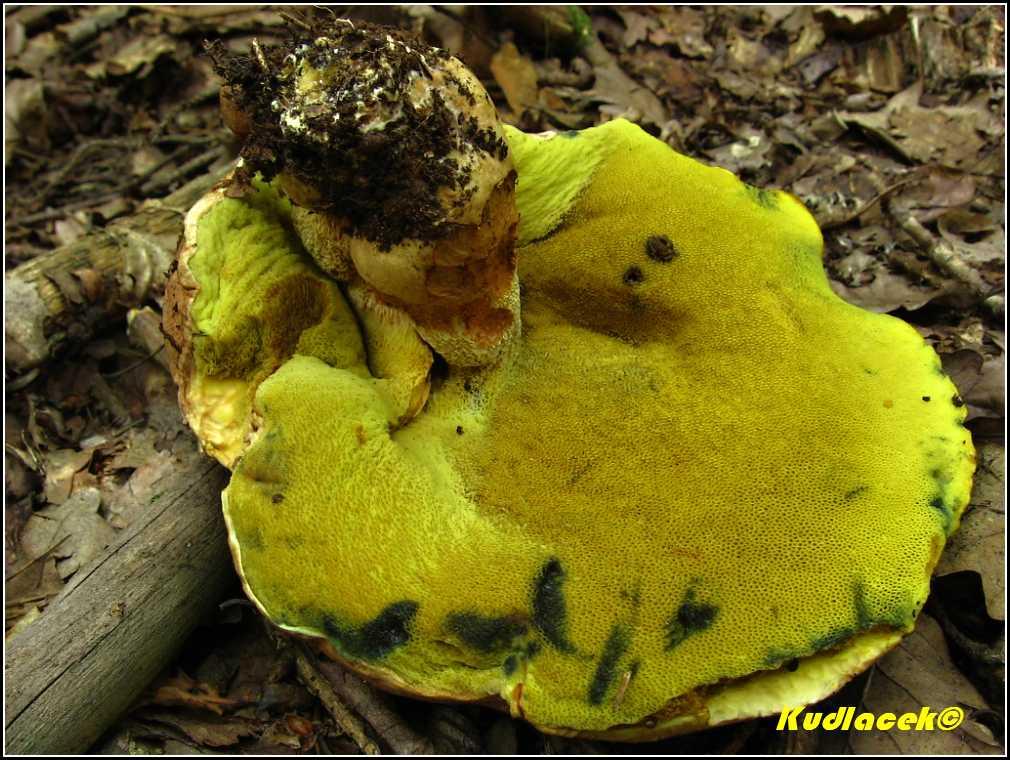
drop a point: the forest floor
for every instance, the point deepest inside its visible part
(887, 124)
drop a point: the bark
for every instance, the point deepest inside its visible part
(63, 297)
(72, 673)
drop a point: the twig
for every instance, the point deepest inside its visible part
(260, 58)
(204, 159)
(137, 363)
(75, 158)
(129, 185)
(186, 139)
(831, 224)
(946, 259)
(320, 686)
(369, 705)
(48, 308)
(22, 381)
(294, 20)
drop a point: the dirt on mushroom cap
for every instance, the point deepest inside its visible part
(670, 484)
(389, 183)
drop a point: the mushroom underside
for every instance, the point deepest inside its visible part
(697, 488)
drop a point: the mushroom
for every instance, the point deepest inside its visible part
(396, 162)
(696, 487)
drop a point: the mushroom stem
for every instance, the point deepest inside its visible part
(395, 157)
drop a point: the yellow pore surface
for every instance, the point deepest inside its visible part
(695, 464)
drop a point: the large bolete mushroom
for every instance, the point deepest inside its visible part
(695, 486)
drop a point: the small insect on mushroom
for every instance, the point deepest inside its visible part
(711, 500)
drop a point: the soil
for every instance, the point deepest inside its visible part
(385, 182)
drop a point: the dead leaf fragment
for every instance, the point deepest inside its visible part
(959, 137)
(183, 691)
(25, 116)
(864, 280)
(74, 532)
(60, 467)
(979, 381)
(683, 27)
(136, 57)
(624, 95)
(637, 26)
(919, 673)
(205, 730)
(860, 22)
(978, 543)
(517, 76)
(29, 587)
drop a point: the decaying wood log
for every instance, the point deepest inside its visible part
(63, 296)
(72, 673)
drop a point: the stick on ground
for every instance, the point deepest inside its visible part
(72, 673)
(64, 296)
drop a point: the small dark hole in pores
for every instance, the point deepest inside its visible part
(277, 498)
(660, 248)
(439, 371)
(925, 398)
(634, 276)
(459, 430)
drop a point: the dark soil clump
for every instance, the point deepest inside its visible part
(383, 178)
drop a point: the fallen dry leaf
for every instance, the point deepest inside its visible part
(637, 26)
(25, 116)
(941, 190)
(919, 673)
(979, 381)
(624, 96)
(204, 730)
(287, 733)
(977, 238)
(683, 28)
(958, 137)
(978, 544)
(857, 22)
(29, 586)
(60, 468)
(74, 532)
(517, 76)
(124, 503)
(137, 57)
(805, 35)
(748, 154)
(182, 691)
(866, 281)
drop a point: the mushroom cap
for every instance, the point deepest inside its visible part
(698, 487)
(242, 300)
